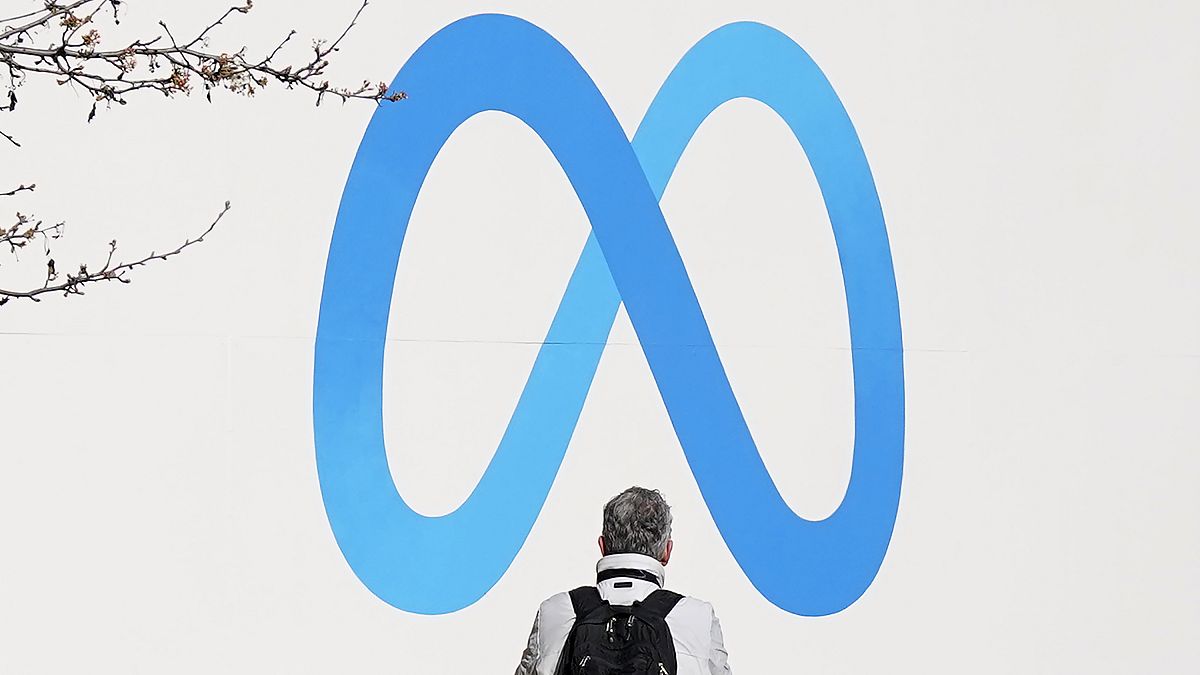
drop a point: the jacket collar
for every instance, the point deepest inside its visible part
(636, 561)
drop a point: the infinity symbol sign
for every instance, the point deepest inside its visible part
(491, 62)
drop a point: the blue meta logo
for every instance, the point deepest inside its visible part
(436, 565)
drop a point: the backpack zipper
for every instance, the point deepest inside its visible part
(662, 669)
(584, 660)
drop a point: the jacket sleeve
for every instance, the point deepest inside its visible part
(529, 658)
(718, 658)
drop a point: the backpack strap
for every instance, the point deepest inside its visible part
(585, 600)
(654, 609)
(658, 604)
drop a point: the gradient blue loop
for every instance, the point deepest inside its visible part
(493, 62)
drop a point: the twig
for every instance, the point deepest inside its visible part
(73, 285)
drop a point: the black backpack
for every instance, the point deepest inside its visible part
(610, 639)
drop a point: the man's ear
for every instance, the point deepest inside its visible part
(667, 553)
(600, 541)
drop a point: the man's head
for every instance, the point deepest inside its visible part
(637, 521)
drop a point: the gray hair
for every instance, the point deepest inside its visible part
(637, 521)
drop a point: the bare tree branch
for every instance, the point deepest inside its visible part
(19, 188)
(74, 282)
(64, 40)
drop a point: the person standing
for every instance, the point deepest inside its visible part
(627, 622)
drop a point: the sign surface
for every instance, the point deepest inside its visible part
(494, 62)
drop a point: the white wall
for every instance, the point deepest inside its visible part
(159, 501)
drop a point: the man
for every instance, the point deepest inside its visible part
(635, 545)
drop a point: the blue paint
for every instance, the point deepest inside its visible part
(435, 565)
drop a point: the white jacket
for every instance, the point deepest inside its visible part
(699, 646)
